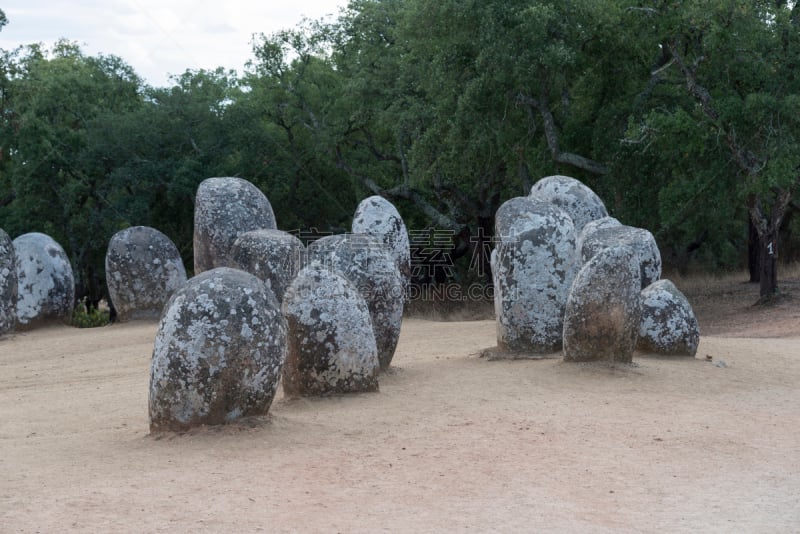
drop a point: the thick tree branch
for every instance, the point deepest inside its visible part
(746, 160)
(541, 105)
(400, 192)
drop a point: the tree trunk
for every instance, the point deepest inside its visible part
(768, 271)
(753, 252)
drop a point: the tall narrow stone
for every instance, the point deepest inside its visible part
(377, 216)
(533, 267)
(8, 284)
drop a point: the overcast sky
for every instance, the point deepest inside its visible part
(158, 37)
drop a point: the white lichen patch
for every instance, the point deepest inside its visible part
(272, 255)
(368, 264)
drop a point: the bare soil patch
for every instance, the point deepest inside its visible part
(452, 442)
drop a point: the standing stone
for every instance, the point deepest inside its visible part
(218, 352)
(639, 240)
(322, 249)
(225, 208)
(369, 265)
(579, 201)
(668, 325)
(603, 312)
(533, 267)
(8, 284)
(593, 226)
(330, 341)
(143, 270)
(377, 216)
(272, 255)
(45, 283)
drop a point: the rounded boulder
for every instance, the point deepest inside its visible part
(603, 312)
(330, 340)
(143, 270)
(218, 352)
(45, 283)
(225, 208)
(273, 256)
(668, 325)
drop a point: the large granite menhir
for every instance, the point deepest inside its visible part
(224, 209)
(603, 313)
(143, 269)
(330, 340)
(533, 266)
(218, 353)
(45, 283)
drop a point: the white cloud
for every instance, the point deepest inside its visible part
(158, 37)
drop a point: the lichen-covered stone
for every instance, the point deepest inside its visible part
(639, 240)
(668, 324)
(322, 249)
(377, 216)
(224, 209)
(603, 312)
(510, 212)
(143, 269)
(218, 352)
(593, 226)
(272, 255)
(330, 340)
(571, 195)
(8, 284)
(45, 283)
(369, 265)
(533, 266)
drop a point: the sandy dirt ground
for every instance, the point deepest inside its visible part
(452, 442)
